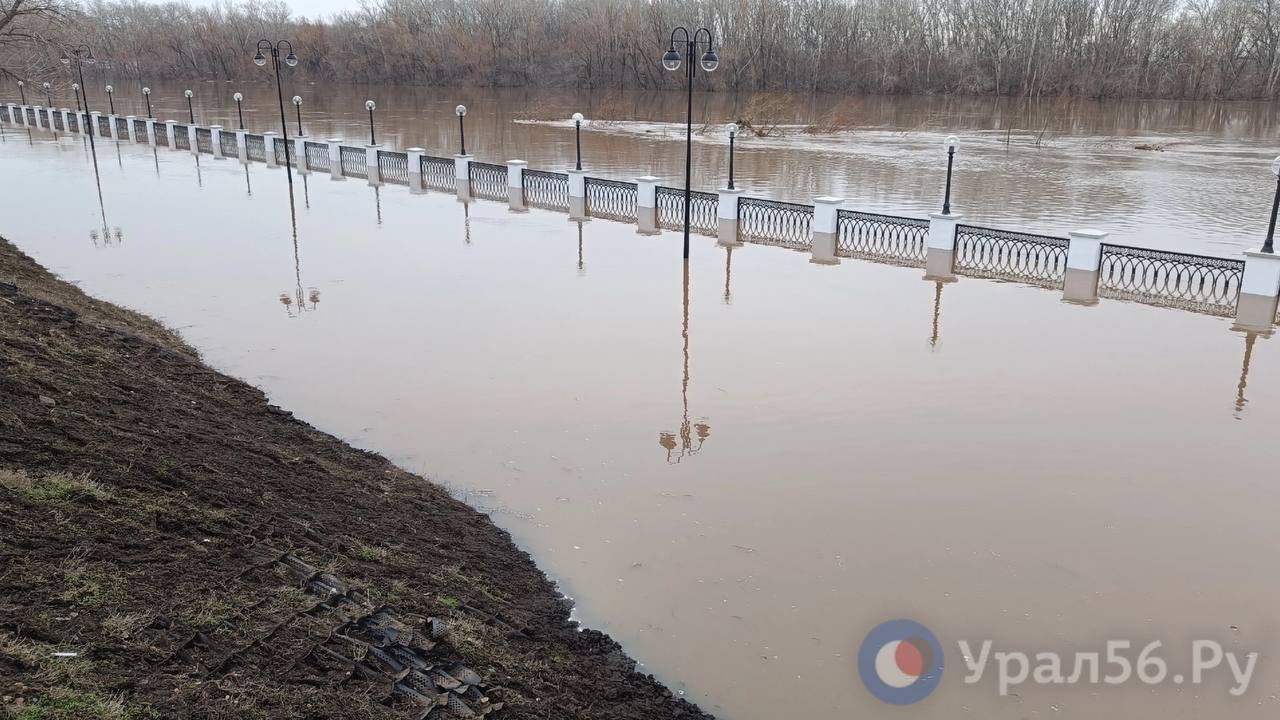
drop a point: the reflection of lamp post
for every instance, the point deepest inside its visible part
(312, 295)
(577, 138)
(297, 107)
(239, 108)
(291, 60)
(1249, 339)
(371, 106)
(952, 142)
(461, 110)
(733, 133)
(709, 62)
(728, 273)
(667, 440)
(1275, 205)
(191, 111)
(22, 92)
(111, 99)
(146, 93)
(937, 313)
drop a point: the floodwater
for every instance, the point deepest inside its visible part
(740, 467)
(1050, 166)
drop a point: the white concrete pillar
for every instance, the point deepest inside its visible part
(128, 123)
(39, 121)
(299, 150)
(727, 217)
(335, 158)
(578, 184)
(462, 175)
(269, 144)
(825, 214)
(942, 230)
(66, 119)
(13, 113)
(372, 171)
(1084, 252)
(170, 131)
(242, 146)
(191, 140)
(515, 186)
(95, 122)
(23, 109)
(1259, 288)
(151, 132)
(647, 192)
(113, 132)
(415, 169)
(215, 140)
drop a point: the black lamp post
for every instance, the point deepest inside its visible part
(952, 142)
(577, 138)
(83, 54)
(461, 110)
(297, 108)
(48, 100)
(370, 105)
(709, 62)
(22, 92)
(1267, 246)
(239, 110)
(191, 112)
(733, 133)
(146, 93)
(75, 87)
(111, 99)
(291, 60)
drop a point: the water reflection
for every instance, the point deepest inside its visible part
(106, 236)
(728, 272)
(687, 445)
(248, 188)
(937, 313)
(297, 303)
(1249, 339)
(377, 201)
(582, 268)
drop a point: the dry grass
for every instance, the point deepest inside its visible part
(53, 488)
(88, 583)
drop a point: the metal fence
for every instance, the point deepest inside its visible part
(228, 142)
(887, 238)
(393, 167)
(438, 173)
(255, 147)
(122, 127)
(611, 199)
(140, 129)
(204, 140)
(104, 126)
(1190, 282)
(353, 161)
(1007, 255)
(770, 222)
(181, 137)
(488, 180)
(547, 190)
(284, 153)
(317, 155)
(702, 210)
(73, 122)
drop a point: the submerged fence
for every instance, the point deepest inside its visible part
(1193, 282)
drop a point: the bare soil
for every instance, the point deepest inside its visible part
(173, 546)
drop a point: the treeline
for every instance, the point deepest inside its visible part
(1092, 48)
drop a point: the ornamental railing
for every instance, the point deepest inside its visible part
(182, 138)
(769, 222)
(888, 238)
(702, 210)
(284, 153)
(438, 173)
(317, 155)
(73, 120)
(1008, 255)
(140, 129)
(611, 199)
(546, 190)
(162, 134)
(1158, 277)
(57, 122)
(31, 116)
(353, 161)
(393, 167)
(104, 126)
(204, 140)
(255, 147)
(488, 180)
(226, 140)
(122, 127)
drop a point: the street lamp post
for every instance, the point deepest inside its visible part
(191, 112)
(83, 54)
(48, 100)
(297, 108)
(709, 62)
(461, 110)
(111, 99)
(952, 142)
(239, 110)
(370, 105)
(146, 93)
(577, 138)
(1267, 247)
(733, 133)
(75, 87)
(291, 60)
(22, 92)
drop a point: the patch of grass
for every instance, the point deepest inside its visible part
(370, 553)
(453, 574)
(65, 704)
(449, 602)
(123, 626)
(212, 612)
(89, 583)
(53, 488)
(41, 664)
(485, 645)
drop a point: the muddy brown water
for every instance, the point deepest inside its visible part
(737, 477)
